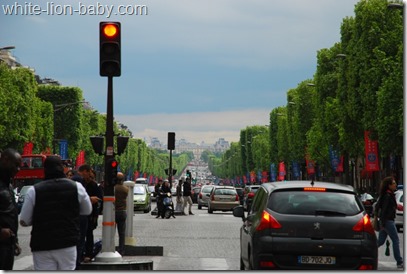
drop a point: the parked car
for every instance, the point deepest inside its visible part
(248, 195)
(21, 197)
(142, 198)
(203, 196)
(195, 192)
(302, 225)
(240, 192)
(223, 198)
(400, 209)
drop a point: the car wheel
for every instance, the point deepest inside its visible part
(199, 206)
(210, 209)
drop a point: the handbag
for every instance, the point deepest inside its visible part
(375, 223)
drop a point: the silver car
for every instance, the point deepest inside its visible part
(203, 196)
(400, 209)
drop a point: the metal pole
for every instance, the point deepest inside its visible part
(108, 253)
(129, 239)
(170, 170)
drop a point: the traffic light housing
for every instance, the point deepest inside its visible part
(110, 49)
(111, 171)
(171, 141)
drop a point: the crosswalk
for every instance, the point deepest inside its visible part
(177, 263)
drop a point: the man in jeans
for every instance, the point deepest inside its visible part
(120, 192)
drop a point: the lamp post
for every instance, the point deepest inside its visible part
(56, 109)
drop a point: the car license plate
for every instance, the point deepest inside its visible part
(316, 260)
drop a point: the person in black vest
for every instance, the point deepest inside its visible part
(187, 196)
(10, 162)
(157, 190)
(52, 207)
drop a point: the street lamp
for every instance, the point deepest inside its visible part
(7, 48)
(56, 109)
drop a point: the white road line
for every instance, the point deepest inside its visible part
(24, 263)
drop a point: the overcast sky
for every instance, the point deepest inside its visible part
(202, 69)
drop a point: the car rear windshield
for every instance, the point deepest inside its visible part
(314, 203)
(225, 191)
(206, 189)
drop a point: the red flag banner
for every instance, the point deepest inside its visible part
(252, 177)
(339, 168)
(264, 177)
(80, 159)
(28, 148)
(244, 179)
(281, 171)
(371, 153)
(310, 165)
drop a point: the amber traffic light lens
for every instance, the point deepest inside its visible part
(110, 30)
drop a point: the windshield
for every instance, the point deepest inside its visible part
(314, 203)
(139, 190)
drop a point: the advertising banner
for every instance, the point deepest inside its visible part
(371, 153)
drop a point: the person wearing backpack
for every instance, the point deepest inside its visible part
(386, 211)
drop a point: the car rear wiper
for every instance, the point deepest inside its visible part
(329, 213)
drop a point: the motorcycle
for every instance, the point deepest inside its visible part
(368, 202)
(167, 205)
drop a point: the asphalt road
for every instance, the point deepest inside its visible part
(199, 242)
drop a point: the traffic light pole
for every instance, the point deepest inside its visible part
(108, 253)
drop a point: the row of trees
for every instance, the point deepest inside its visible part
(357, 87)
(45, 114)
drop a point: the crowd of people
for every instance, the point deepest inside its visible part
(63, 212)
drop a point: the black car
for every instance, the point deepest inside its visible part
(303, 225)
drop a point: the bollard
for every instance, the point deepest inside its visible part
(130, 240)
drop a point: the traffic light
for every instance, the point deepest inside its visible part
(110, 55)
(171, 141)
(111, 171)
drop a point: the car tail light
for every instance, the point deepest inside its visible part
(364, 225)
(237, 197)
(250, 195)
(268, 264)
(267, 221)
(200, 195)
(366, 267)
(400, 207)
(212, 197)
(317, 189)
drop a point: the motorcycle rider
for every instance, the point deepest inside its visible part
(166, 188)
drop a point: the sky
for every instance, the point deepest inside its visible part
(202, 69)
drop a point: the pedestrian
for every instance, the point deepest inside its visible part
(180, 202)
(157, 190)
(120, 193)
(10, 162)
(385, 209)
(95, 195)
(52, 207)
(69, 174)
(187, 196)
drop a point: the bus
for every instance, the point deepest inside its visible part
(32, 170)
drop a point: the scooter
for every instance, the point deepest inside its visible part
(168, 206)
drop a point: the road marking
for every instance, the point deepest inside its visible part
(213, 264)
(24, 263)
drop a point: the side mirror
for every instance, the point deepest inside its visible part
(238, 211)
